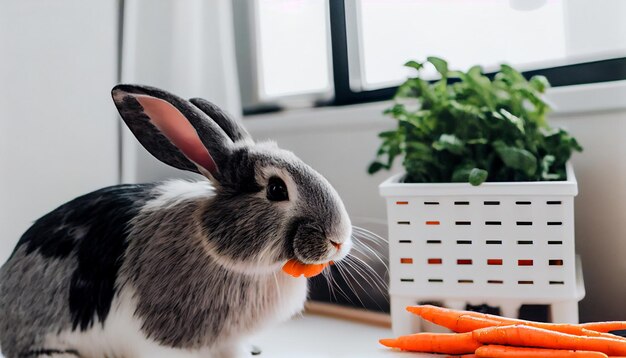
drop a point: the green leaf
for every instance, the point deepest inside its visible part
(516, 158)
(440, 65)
(574, 144)
(414, 64)
(481, 86)
(546, 163)
(469, 110)
(451, 143)
(475, 71)
(461, 174)
(477, 141)
(517, 122)
(409, 89)
(512, 74)
(375, 167)
(455, 74)
(539, 83)
(388, 134)
(396, 111)
(477, 176)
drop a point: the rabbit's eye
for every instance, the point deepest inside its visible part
(277, 190)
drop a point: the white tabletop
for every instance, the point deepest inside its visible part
(312, 336)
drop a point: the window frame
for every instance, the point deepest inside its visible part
(345, 69)
(249, 64)
(344, 43)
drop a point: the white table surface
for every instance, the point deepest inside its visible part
(312, 336)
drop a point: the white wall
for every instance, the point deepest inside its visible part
(58, 125)
(601, 210)
(340, 142)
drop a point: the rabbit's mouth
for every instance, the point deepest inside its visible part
(320, 250)
(296, 267)
(341, 250)
(313, 266)
(313, 243)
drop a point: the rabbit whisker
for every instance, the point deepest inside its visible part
(356, 270)
(368, 274)
(344, 275)
(327, 276)
(360, 247)
(369, 234)
(340, 290)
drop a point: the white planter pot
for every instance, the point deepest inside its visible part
(494, 242)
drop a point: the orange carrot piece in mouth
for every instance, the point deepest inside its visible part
(296, 268)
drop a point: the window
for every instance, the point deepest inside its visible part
(289, 41)
(361, 58)
(388, 33)
(293, 47)
(529, 34)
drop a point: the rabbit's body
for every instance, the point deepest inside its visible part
(156, 291)
(174, 269)
(63, 271)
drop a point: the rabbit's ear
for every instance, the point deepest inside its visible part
(233, 128)
(172, 129)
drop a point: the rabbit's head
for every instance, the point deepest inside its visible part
(268, 206)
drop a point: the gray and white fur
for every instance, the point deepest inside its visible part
(179, 268)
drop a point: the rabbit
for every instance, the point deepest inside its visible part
(178, 268)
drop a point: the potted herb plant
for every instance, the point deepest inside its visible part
(484, 211)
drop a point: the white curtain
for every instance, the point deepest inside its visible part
(58, 126)
(185, 47)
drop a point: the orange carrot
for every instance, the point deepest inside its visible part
(526, 336)
(296, 268)
(441, 316)
(467, 321)
(605, 326)
(590, 333)
(447, 343)
(494, 351)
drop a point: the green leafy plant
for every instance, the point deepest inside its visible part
(470, 127)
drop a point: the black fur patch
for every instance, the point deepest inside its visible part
(231, 127)
(48, 237)
(48, 352)
(94, 228)
(239, 175)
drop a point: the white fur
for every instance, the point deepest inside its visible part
(121, 334)
(175, 191)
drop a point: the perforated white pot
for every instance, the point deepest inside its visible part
(497, 240)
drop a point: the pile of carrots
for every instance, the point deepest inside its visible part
(483, 335)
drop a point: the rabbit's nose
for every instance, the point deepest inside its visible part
(336, 245)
